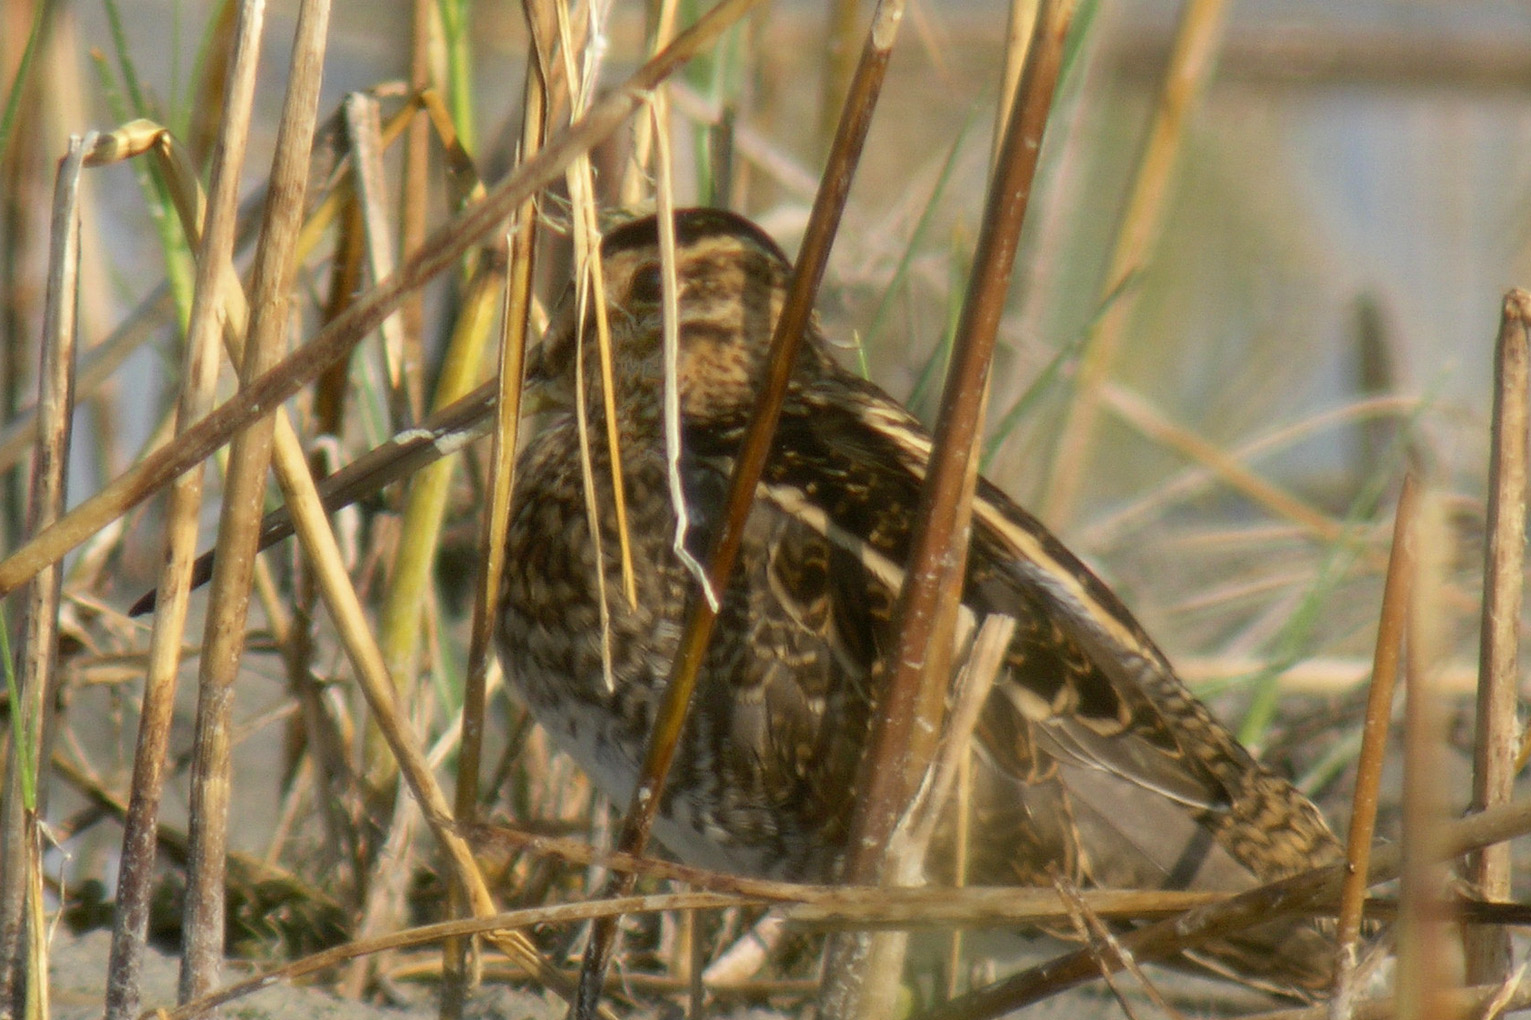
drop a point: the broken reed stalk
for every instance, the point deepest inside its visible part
(908, 719)
(23, 920)
(199, 375)
(1424, 931)
(1497, 730)
(239, 522)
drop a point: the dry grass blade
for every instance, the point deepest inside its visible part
(23, 922)
(1486, 1001)
(1225, 467)
(439, 251)
(515, 326)
(413, 201)
(1188, 482)
(363, 133)
(661, 28)
(1503, 1000)
(1494, 746)
(664, 200)
(592, 283)
(586, 282)
(1379, 717)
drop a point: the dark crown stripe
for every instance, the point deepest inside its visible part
(691, 225)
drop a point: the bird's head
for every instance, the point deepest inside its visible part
(731, 281)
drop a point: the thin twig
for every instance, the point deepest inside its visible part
(1101, 941)
(1138, 412)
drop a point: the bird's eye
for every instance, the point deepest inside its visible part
(647, 286)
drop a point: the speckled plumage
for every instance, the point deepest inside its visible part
(1092, 758)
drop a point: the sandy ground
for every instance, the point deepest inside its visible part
(78, 968)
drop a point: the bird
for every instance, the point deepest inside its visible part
(1091, 759)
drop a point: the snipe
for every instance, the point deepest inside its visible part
(1091, 756)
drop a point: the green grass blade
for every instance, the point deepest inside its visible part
(1292, 642)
